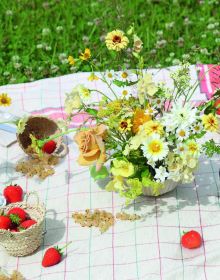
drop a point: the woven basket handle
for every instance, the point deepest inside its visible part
(62, 151)
(35, 194)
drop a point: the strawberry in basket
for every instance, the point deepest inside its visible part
(26, 224)
(5, 222)
(17, 215)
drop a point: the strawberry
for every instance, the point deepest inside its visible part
(17, 215)
(26, 224)
(53, 256)
(217, 106)
(191, 240)
(5, 222)
(49, 147)
(13, 193)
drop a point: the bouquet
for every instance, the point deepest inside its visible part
(147, 132)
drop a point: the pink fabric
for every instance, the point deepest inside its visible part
(210, 78)
(58, 113)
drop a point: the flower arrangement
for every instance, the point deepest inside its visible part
(149, 137)
(147, 132)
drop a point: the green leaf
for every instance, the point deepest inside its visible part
(92, 112)
(123, 83)
(101, 174)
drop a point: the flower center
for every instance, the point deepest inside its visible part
(155, 147)
(124, 75)
(181, 149)
(124, 124)
(211, 121)
(4, 100)
(116, 39)
(182, 133)
(124, 92)
(109, 75)
(155, 127)
(193, 148)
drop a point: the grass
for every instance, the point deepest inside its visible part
(37, 36)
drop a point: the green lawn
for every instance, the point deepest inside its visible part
(37, 36)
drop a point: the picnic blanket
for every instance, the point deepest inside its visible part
(147, 249)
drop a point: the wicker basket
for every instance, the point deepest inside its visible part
(25, 242)
(41, 127)
(169, 185)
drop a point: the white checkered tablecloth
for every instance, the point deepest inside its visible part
(148, 249)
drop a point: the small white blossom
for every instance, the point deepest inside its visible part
(59, 29)
(45, 31)
(161, 174)
(9, 13)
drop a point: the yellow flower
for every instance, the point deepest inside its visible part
(125, 125)
(5, 100)
(122, 168)
(84, 92)
(192, 147)
(116, 184)
(93, 77)
(139, 119)
(86, 55)
(116, 40)
(71, 60)
(152, 127)
(210, 122)
(146, 86)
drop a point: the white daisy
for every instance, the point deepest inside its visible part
(180, 149)
(161, 174)
(182, 133)
(154, 148)
(197, 128)
(110, 75)
(124, 75)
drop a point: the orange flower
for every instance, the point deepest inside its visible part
(91, 146)
(139, 118)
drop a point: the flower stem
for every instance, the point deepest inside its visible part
(64, 247)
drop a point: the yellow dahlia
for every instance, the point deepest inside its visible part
(152, 127)
(210, 122)
(5, 100)
(116, 40)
